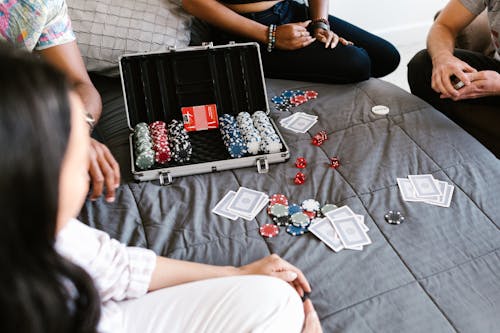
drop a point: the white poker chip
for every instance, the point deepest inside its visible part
(310, 205)
(380, 110)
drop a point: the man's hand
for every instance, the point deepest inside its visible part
(311, 320)
(293, 36)
(444, 66)
(103, 169)
(482, 84)
(273, 265)
(330, 38)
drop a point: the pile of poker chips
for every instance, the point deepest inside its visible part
(250, 134)
(289, 98)
(158, 132)
(143, 147)
(232, 137)
(270, 142)
(180, 145)
(296, 218)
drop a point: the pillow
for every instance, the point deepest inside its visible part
(107, 29)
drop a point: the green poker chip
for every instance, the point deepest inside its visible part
(279, 210)
(145, 160)
(300, 220)
(328, 208)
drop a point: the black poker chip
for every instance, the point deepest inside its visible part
(282, 221)
(394, 217)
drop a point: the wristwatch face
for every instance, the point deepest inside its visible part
(89, 118)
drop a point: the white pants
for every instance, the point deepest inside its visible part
(230, 305)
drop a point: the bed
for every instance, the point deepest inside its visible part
(437, 272)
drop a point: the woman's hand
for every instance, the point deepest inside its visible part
(293, 36)
(330, 38)
(273, 265)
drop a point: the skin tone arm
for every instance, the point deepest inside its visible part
(104, 169)
(288, 36)
(441, 43)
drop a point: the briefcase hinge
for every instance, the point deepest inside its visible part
(208, 45)
(168, 178)
(262, 165)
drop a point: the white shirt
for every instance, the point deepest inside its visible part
(119, 272)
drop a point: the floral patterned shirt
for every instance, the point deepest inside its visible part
(35, 24)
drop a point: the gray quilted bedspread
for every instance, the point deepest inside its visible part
(438, 272)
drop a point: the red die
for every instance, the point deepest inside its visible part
(334, 162)
(300, 178)
(319, 138)
(301, 163)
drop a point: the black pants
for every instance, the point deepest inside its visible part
(480, 117)
(370, 56)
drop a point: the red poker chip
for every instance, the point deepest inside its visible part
(311, 215)
(269, 230)
(157, 125)
(311, 94)
(278, 198)
(162, 156)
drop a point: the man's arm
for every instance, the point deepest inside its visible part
(104, 170)
(440, 45)
(67, 58)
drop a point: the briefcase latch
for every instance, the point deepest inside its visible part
(262, 165)
(166, 181)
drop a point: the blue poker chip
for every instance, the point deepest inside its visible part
(278, 100)
(287, 94)
(299, 92)
(296, 231)
(294, 208)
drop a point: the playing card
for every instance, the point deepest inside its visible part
(221, 207)
(445, 199)
(340, 212)
(361, 221)
(262, 203)
(425, 185)
(245, 202)
(300, 124)
(350, 232)
(324, 230)
(406, 189)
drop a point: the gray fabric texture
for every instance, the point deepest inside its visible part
(437, 272)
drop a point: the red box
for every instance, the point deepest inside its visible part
(200, 118)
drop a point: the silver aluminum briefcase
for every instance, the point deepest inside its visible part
(157, 85)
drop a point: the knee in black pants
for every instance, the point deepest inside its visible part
(419, 74)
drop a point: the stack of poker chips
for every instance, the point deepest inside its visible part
(250, 134)
(180, 145)
(144, 153)
(158, 131)
(270, 142)
(231, 134)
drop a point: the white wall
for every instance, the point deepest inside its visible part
(402, 22)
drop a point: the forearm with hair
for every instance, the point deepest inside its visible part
(318, 9)
(226, 19)
(441, 41)
(171, 272)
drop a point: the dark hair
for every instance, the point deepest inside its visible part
(39, 290)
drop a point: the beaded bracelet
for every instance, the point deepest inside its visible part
(271, 37)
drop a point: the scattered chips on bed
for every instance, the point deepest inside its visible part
(291, 98)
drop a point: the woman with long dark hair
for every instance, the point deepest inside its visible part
(39, 290)
(59, 275)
